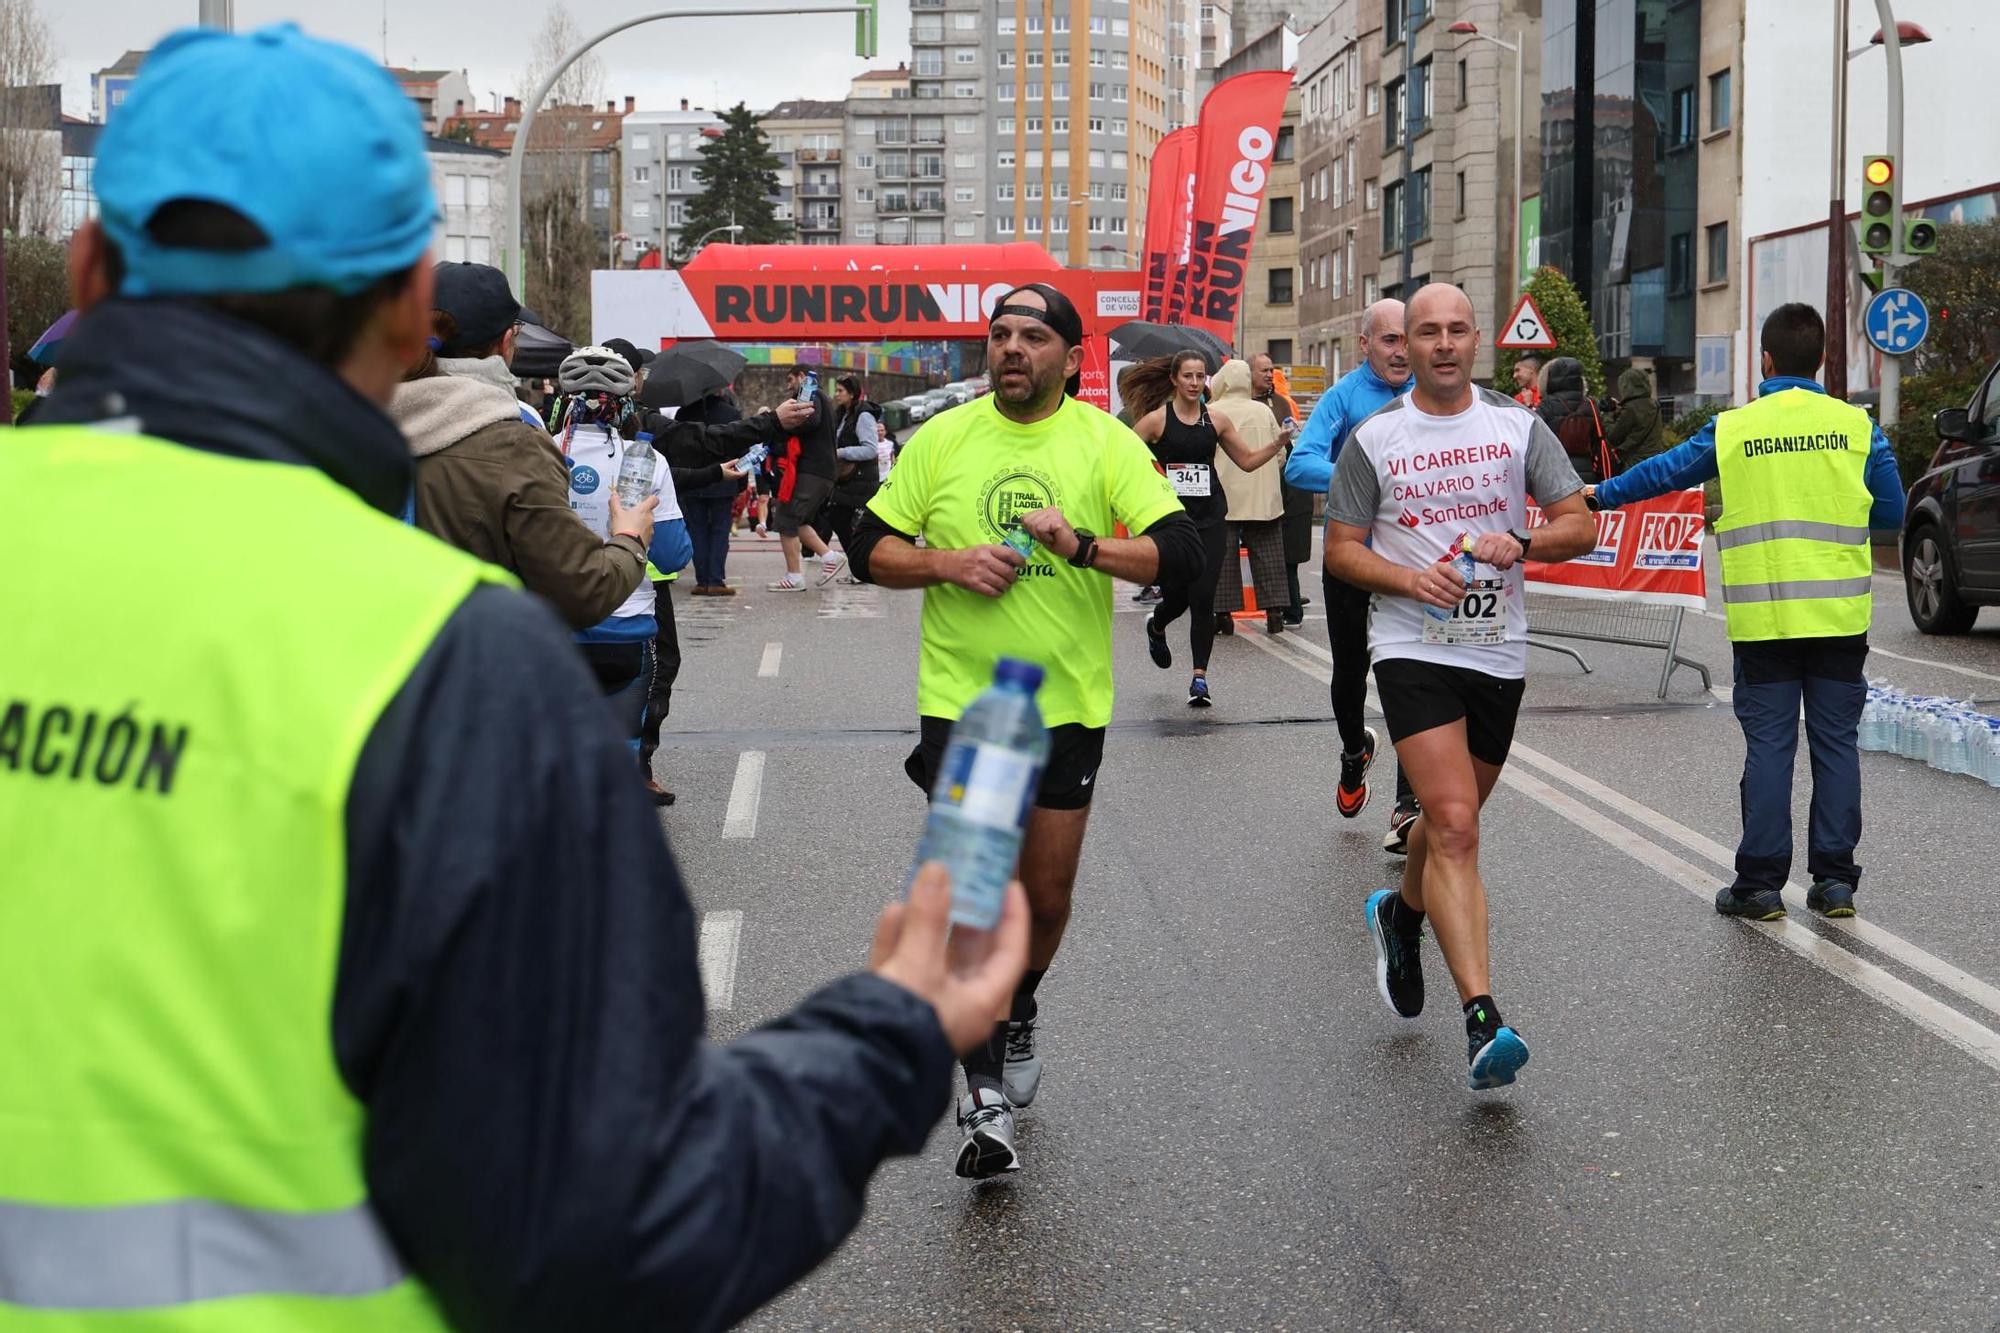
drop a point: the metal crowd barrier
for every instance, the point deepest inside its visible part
(1635, 624)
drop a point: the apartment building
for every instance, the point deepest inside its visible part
(660, 151)
(471, 185)
(1340, 165)
(1448, 137)
(893, 162)
(1719, 197)
(1619, 211)
(807, 137)
(573, 145)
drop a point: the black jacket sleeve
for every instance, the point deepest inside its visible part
(695, 444)
(552, 1142)
(868, 532)
(690, 478)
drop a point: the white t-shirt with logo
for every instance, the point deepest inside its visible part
(1418, 482)
(595, 455)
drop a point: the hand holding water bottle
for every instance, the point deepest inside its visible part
(1441, 584)
(966, 975)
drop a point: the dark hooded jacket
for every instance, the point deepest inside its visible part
(1569, 412)
(1636, 433)
(552, 1140)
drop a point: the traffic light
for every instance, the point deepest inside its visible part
(1878, 204)
(865, 29)
(1919, 236)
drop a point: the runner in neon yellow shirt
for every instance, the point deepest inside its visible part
(1027, 457)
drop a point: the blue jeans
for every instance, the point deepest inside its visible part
(1771, 682)
(708, 529)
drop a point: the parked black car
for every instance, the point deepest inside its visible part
(1951, 533)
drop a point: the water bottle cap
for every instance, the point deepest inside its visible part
(645, 437)
(1013, 671)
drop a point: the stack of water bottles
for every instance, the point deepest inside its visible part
(1950, 736)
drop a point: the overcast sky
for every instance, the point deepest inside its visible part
(711, 62)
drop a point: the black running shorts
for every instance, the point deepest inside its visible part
(1417, 696)
(1068, 783)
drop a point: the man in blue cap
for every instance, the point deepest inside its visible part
(313, 1017)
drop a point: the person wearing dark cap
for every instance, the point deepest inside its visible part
(349, 982)
(1032, 461)
(488, 481)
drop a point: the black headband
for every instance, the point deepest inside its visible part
(1026, 312)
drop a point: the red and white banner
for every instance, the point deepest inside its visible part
(1238, 135)
(1166, 220)
(1647, 552)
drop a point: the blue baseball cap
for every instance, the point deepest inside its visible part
(312, 141)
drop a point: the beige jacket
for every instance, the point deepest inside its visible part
(1254, 497)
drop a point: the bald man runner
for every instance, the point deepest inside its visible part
(1451, 465)
(1382, 377)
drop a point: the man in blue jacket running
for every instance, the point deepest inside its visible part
(1383, 375)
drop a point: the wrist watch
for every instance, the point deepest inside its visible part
(1522, 536)
(1086, 550)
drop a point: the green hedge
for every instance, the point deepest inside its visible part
(1922, 398)
(1688, 424)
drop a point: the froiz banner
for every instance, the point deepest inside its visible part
(1166, 220)
(1237, 138)
(1648, 552)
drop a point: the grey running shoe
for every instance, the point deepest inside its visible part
(988, 1123)
(1023, 1071)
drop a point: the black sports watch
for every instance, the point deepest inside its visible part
(1522, 536)
(1086, 550)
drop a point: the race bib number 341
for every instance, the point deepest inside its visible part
(1190, 479)
(1479, 618)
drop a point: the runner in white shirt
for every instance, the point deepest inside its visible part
(1449, 463)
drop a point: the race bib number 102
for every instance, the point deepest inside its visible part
(1480, 618)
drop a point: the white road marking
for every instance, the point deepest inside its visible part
(1975, 1039)
(773, 654)
(1979, 1041)
(1876, 651)
(744, 794)
(1903, 951)
(721, 937)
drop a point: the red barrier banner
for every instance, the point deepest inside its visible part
(1648, 552)
(1166, 219)
(1238, 134)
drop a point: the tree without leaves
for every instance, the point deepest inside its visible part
(738, 175)
(30, 152)
(1569, 320)
(559, 241)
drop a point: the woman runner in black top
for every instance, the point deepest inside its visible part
(1170, 397)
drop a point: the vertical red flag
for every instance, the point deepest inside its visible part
(1238, 136)
(1166, 213)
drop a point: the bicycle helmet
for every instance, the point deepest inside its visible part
(595, 370)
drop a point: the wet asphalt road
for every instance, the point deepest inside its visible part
(1723, 1126)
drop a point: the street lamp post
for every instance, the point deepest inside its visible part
(517, 259)
(1520, 129)
(733, 228)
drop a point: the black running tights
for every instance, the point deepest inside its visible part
(1196, 600)
(1347, 632)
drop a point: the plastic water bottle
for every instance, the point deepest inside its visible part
(753, 460)
(1950, 745)
(985, 783)
(635, 472)
(1869, 734)
(1460, 558)
(1020, 542)
(810, 387)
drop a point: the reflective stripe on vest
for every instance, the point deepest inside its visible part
(159, 1254)
(1793, 535)
(178, 1147)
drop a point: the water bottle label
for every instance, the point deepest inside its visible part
(987, 784)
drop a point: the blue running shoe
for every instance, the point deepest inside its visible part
(1497, 1059)
(1399, 971)
(1198, 692)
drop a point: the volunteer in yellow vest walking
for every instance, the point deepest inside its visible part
(1804, 479)
(314, 1020)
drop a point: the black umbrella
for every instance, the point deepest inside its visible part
(539, 352)
(1139, 340)
(689, 371)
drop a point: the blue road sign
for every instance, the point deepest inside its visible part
(1897, 321)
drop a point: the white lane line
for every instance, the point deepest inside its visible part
(721, 937)
(1975, 1039)
(1875, 651)
(1912, 956)
(1981, 1042)
(741, 819)
(774, 653)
